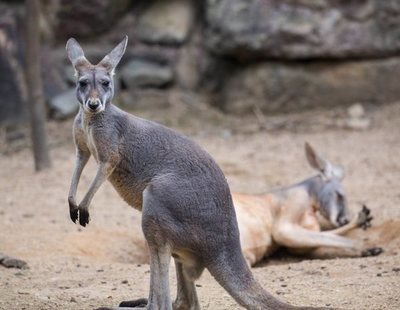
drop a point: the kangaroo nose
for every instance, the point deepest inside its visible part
(93, 104)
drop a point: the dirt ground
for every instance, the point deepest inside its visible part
(83, 268)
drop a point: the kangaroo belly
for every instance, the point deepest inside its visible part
(129, 190)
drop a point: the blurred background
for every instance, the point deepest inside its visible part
(250, 81)
(243, 56)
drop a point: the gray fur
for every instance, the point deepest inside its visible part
(182, 193)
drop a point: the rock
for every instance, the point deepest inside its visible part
(144, 73)
(248, 29)
(12, 262)
(64, 105)
(276, 86)
(192, 63)
(356, 111)
(166, 22)
(83, 18)
(12, 79)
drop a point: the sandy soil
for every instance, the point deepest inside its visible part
(83, 268)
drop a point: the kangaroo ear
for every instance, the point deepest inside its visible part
(75, 54)
(324, 167)
(314, 160)
(111, 60)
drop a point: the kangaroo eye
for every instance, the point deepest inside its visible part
(105, 83)
(83, 84)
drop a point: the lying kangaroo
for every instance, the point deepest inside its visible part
(288, 216)
(187, 209)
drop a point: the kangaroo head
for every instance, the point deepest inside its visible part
(331, 198)
(95, 86)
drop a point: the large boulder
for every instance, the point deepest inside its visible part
(303, 29)
(82, 18)
(278, 87)
(166, 22)
(139, 73)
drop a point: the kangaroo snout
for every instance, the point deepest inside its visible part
(93, 104)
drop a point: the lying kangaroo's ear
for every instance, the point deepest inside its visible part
(75, 54)
(314, 160)
(324, 167)
(111, 60)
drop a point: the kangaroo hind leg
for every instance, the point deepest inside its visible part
(186, 298)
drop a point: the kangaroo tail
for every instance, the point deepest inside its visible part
(232, 273)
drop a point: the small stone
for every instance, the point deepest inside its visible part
(72, 300)
(356, 111)
(11, 262)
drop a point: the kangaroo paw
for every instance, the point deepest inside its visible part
(364, 218)
(371, 252)
(73, 211)
(83, 217)
(138, 303)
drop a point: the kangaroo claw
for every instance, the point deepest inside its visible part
(364, 218)
(73, 210)
(372, 252)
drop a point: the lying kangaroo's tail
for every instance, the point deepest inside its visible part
(233, 274)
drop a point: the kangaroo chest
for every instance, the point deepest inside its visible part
(91, 145)
(88, 133)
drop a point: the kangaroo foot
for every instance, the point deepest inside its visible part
(138, 303)
(371, 252)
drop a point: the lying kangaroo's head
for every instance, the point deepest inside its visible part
(331, 198)
(95, 87)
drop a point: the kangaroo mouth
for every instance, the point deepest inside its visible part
(94, 109)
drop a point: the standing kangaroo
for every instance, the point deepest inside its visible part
(186, 205)
(288, 216)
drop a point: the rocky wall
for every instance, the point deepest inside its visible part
(273, 55)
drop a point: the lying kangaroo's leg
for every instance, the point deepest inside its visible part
(293, 236)
(297, 237)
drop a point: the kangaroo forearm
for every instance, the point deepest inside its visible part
(81, 162)
(103, 172)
